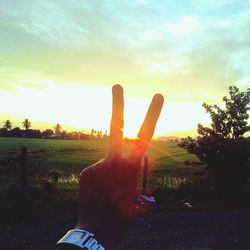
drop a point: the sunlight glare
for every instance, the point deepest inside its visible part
(84, 107)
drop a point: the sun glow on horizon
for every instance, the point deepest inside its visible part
(59, 60)
(83, 107)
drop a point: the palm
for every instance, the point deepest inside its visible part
(108, 188)
(8, 125)
(26, 124)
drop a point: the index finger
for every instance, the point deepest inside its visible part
(148, 127)
(117, 122)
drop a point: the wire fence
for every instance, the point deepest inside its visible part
(13, 171)
(23, 169)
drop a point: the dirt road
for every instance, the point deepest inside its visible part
(165, 230)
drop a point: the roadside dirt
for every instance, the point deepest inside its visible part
(165, 230)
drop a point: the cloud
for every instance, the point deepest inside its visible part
(185, 26)
(173, 47)
(243, 82)
(48, 22)
(190, 51)
(176, 65)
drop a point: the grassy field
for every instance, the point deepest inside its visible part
(71, 156)
(168, 168)
(166, 160)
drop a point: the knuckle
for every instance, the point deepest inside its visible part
(86, 173)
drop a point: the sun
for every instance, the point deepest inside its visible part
(85, 107)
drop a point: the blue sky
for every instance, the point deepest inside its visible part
(190, 51)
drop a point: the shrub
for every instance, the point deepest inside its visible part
(55, 174)
(223, 147)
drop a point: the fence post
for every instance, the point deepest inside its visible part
(23, 169)
(145, 174)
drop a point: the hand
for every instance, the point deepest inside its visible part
(108, 188)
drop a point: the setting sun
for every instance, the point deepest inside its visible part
(86, 107)
(110, 109)
(58, 63)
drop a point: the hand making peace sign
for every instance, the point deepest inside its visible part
(108, 188)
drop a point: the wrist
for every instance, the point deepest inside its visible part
(79, 239)
(108, 236)
(99, 233)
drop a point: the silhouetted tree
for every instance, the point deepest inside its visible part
(58, 128)
(230, 122)
(99, 134)
(64, 134)
(47, 133)
(4, 132)
(7, 125)
(105, 136)
(84, 136)
(16, 132)
(222, 146)
(33, 133)
(26, 124)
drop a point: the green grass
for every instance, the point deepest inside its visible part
(68, 156)
(71, 156)
(166, 160)
(174, 175)
(167, 169)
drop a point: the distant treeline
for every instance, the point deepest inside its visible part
(56, 133)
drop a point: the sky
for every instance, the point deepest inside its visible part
(59, 60)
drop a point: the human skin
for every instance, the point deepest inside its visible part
(108, 188)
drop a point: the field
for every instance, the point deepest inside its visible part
(169, 167)
(71, 156)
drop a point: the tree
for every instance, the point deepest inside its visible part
(33, 133)
(4, 132)
(64, 134)
(99, 134)
(26, 124)
(47, 133)
(7, 125)
(58, 128)
(16, 132)
(105, 136)
(222, 146)
(230, 122)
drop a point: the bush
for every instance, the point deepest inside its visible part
(223, 147)
(55, 174)
(228, 160)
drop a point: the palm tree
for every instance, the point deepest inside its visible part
(26, 124)
(7, 125)
(58, 128)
